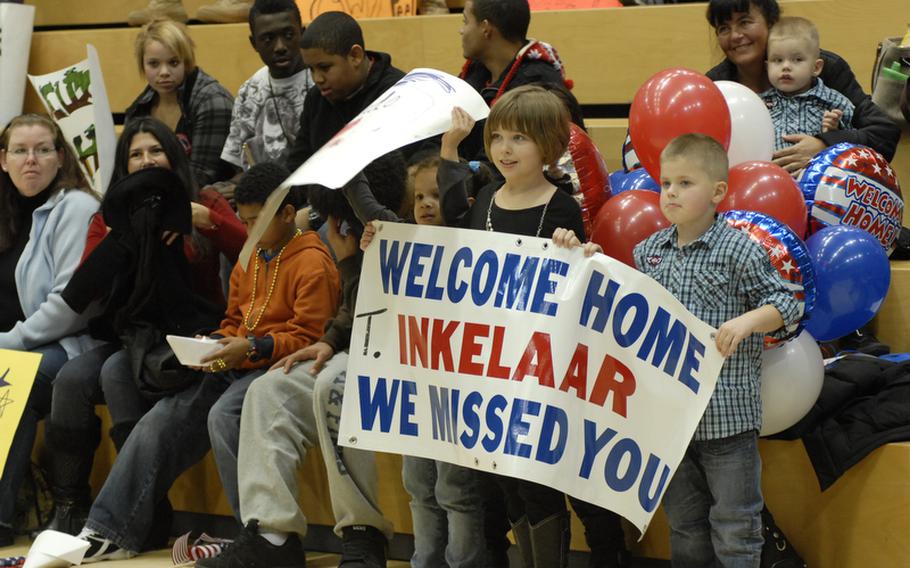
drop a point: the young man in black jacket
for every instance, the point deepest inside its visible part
(348, 79)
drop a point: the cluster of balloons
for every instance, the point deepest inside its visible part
(828, 234)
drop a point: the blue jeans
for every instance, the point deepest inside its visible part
(224, 433)
(37, 407)
(166, 441)
(714, 504)
(446, 508)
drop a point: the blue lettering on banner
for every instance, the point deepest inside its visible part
(510, 281)
(500, 428)
(662, 338)
(382, 401)
(520, 427)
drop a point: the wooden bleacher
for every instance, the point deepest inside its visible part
(862, 520)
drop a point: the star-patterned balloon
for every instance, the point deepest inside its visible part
(853, 185)
(788, 255)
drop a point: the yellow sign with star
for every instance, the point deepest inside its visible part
(17, 373)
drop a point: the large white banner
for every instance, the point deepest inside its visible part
(76, 99)
(415, 108)
(16, 21)
(509, 355)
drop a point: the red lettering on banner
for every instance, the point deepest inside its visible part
(613, 377)
(470, 348)
(441, 345)
(418, 341)
(538, 349)
(497, 370)
(576, 376)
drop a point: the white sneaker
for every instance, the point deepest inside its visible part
(101, 548)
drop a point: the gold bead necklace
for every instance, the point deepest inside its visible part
(268, 296)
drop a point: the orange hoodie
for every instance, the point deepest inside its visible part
(306, 295)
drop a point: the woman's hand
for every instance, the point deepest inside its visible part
(462, 124)
(202, 218)
(797, 156)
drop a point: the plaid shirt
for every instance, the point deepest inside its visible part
(204, 126)
(719, 276)
(803, 113)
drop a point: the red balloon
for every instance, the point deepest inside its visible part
(671, 103)
(766, 188)
(626, 220)
(593, 176)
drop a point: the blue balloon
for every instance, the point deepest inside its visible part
(852, 275)
(636, 179)
(788, 255)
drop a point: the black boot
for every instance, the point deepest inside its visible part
(521, 531)
(777, 552)
(604, 535)
(71, 455)
(550, 542)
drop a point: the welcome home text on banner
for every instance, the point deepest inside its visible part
(507, 354)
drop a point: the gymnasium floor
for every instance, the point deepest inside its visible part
(162, 558)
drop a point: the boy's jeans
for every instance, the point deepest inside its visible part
(714, 504)
(446, 507)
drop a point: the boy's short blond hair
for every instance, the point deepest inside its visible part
(172, 35)
(702, 150)
(793, 27)
(536, 113)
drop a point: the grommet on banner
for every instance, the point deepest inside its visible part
(518, 242)
(352, 440)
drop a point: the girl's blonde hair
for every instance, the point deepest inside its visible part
(170, 34)
(535, 112)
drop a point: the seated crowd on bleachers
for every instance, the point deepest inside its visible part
(95, 284)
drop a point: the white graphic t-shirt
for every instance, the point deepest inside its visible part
(266, 117)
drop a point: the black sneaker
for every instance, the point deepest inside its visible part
(863, 343)
(362, 546)
(777, 552)
(249, 550)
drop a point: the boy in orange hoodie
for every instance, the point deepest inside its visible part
(277, 305)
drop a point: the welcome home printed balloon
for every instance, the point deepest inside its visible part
(788, 255)
(848, 184)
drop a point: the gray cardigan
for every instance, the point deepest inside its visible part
(55, 245)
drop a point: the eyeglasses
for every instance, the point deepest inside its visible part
(40, 153)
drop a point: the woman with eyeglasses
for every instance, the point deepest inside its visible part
(45, 208)
(742, 28)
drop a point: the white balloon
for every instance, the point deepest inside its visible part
(791, 380)
(751, 129)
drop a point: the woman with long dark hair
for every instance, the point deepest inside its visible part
(73, 430)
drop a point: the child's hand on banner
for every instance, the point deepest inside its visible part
(566, 238)
(369, 231)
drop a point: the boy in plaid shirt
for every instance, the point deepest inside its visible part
(714, 501)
